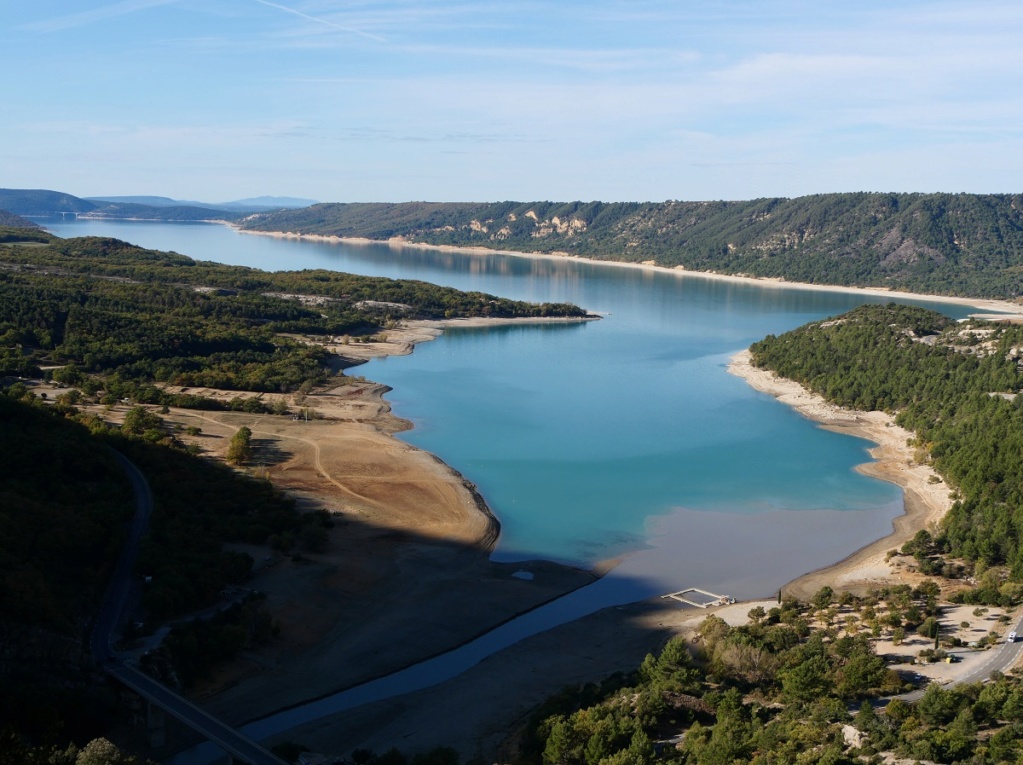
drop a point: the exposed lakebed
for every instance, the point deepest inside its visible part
(623, 438)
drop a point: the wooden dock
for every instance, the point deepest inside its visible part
(694, 596)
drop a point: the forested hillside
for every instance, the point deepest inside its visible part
(108, 323)
(134, 316)
(949, 244)
(954, 385)
(10, 220)
(955, 244)
(780, 689)
(64, 505)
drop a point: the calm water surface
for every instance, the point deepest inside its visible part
(582, 436)
(620, 437)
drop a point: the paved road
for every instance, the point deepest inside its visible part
(106, 628)
(111, 612)
(227, 738)
(1000, 659)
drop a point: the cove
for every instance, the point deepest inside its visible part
(623, 438)
(580, 437)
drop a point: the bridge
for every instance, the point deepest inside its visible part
(238, 747)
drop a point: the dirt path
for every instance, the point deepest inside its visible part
(276, 435)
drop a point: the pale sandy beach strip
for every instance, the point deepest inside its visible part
(926, 495)
(982, 304)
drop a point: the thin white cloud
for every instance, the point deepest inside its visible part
(169, 137)
(96, 14)
(320, 20)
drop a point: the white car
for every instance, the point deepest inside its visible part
(1011, 637)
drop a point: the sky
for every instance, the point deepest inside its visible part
(397, 100)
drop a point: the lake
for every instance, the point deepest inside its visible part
(619, 438)
(597, 440)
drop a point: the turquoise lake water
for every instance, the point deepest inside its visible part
(619, 437)
(594, 440)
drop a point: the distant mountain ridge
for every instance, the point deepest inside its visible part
(949, 244)
(252, 204)
(271, 202)
(44, 202)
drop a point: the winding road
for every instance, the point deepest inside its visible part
(104, 631)
(1000, 659)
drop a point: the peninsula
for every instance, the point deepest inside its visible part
(327, 535)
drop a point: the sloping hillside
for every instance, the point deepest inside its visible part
(42, 202)
(957, 244)
(10, 220)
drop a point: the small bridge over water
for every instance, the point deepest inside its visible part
(693, 596)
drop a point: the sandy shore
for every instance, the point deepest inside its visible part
(477, 711)
(400, 586)
(926, 495)
(982, 304)
(406, 573)
(402, 340)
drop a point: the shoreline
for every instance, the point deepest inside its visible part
(862, 568)
(925, 495)
(421, 555)
(479, 710)
(402, 339)
(985, 304)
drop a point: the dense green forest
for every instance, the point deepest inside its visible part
(941, 379)
(779, 690)
(65, 505)
(955, 244)
(102, 307)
